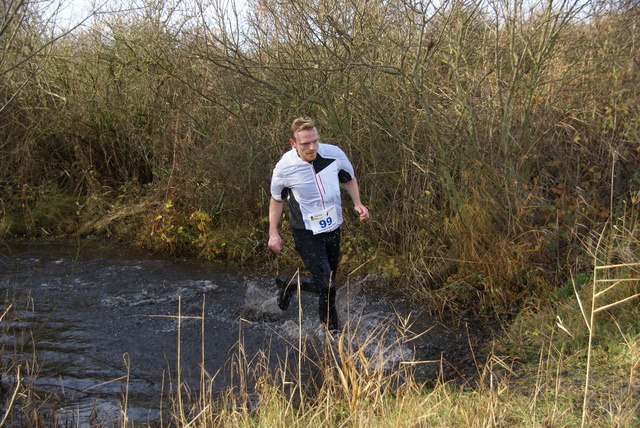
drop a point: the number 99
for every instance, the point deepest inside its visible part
(325, 223)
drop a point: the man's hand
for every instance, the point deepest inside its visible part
(275, 242)
(363, 211)
(352, 189)
(275, 212)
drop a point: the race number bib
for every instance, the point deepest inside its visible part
(324, 221)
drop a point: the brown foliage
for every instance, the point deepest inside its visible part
(487, 139)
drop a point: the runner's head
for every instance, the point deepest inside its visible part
(304, 138)
(302, 124)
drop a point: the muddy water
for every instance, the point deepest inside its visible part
(101, 320)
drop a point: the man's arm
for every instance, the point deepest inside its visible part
(275, 213)
(354, 192)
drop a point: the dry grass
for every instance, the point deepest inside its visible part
(353, 386)
(356, 388)
(574, 362)
(568, 362)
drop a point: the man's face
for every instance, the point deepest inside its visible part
(306, 144)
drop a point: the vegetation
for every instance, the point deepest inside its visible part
(497, 145)
(574, 365)
(490, 138)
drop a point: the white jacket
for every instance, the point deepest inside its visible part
(311, 187)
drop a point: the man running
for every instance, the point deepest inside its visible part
(309, 177)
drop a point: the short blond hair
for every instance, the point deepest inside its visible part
(301, 124)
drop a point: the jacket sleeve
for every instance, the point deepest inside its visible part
(278, 187)
(345, 169)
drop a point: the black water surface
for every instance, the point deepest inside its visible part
(101, 320)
